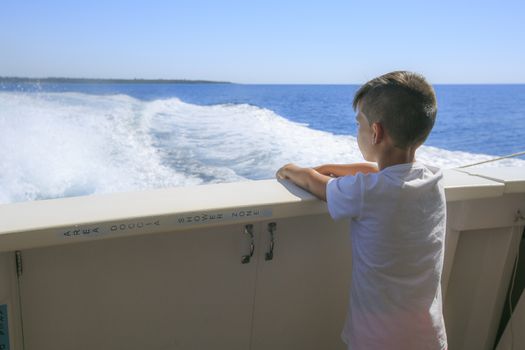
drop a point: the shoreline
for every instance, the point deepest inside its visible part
(54, 80)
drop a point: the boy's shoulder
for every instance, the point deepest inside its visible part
(410, 177)
(412, 171)
(404, 183)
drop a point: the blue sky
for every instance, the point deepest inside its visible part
(264, 41)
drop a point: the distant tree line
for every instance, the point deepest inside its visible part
(106, 81)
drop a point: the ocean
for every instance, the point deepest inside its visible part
(72, 139)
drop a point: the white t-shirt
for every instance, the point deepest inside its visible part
(397, 232)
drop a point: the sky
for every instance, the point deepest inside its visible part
(253, 41)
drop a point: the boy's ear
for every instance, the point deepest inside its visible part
(378, 133)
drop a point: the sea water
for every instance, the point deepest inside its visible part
(60, 140)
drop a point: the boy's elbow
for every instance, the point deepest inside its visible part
(321, 193)
(317, 184)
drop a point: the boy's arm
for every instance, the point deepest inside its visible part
(307, 178)
(337, 170)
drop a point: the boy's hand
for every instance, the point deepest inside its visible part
(307, 178)
(283, 173)
(325, 170)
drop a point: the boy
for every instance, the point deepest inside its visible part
(397, 212)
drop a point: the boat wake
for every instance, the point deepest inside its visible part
(68, 144)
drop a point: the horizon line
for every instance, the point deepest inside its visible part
(198, 81)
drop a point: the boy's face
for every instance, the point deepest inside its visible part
(365, 135)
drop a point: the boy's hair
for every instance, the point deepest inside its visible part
(404, 103)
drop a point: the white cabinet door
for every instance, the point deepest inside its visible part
(301, 297)
(180, 290)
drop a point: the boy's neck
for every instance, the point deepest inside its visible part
(393, 156)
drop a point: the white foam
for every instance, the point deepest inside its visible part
(254, 141)
(57, 145)
(65, 144)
